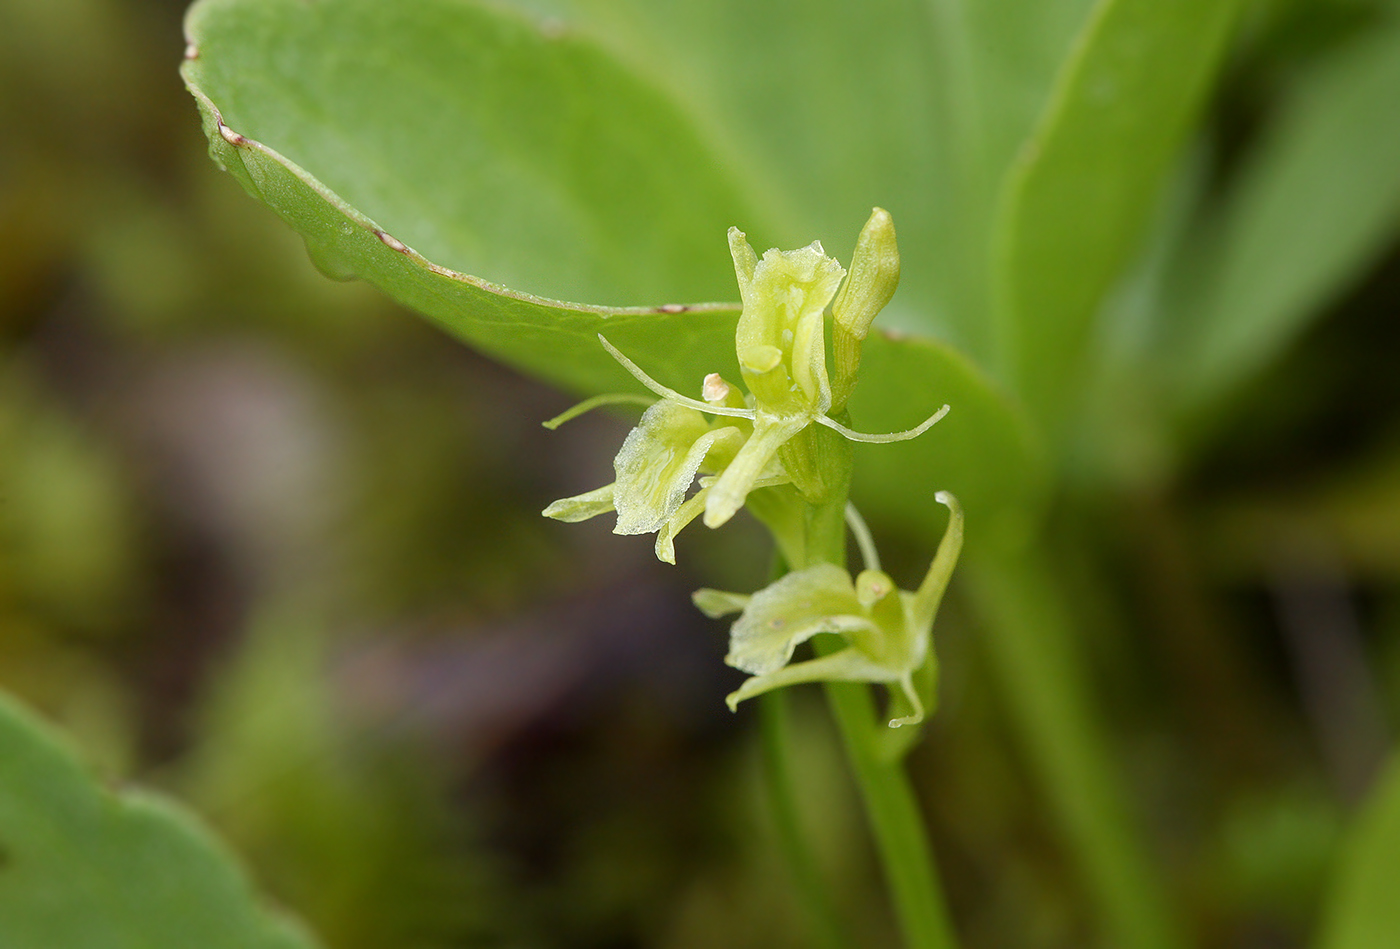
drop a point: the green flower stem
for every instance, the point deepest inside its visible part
(890, 805)
(823, 922)
(1030, 637)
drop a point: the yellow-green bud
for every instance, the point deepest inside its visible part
(871, 283)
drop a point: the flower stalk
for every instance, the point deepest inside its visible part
(782, 448)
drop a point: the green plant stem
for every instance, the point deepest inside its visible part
(1031, 644)
(895, 821)
(823, 922)
(890, 805)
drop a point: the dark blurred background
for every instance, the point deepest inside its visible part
(272, 543)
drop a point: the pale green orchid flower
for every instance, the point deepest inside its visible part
(752, 443)
(658, 463)
(888, 632)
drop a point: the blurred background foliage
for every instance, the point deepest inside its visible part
(273, 543)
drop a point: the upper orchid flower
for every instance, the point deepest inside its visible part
(758, 440)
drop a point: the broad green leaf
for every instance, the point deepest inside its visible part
(588, 149)
(1086, 182)
(1362, 911)
(829, 108)
(83, 868)
(1315, 204)
(488, 142)
(394, 137)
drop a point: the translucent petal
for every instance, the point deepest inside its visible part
(809, 360)
(657, 465)
(789, 611)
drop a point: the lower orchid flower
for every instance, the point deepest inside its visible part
(888, 632)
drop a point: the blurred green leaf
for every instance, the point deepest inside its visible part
(82, 868)
(1315, 203)
(1085, 183)
(416, 117)
(1362, 910)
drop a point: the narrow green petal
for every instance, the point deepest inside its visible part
(870, 439)
(848, 665)
(583, 506)
(667, 393)
(588, 405)
(930, 592)
(861, 532)
(717, 603)
(666, 535)
(753, 462)
(916, 705)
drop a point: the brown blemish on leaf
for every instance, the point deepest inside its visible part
(232, 137)
(673, 308)
(191, 51)
(392, 242)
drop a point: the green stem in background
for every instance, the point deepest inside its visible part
(823, 921)
(901, 838)
(1030, 636)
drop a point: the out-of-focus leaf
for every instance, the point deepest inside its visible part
(81, 868)
(371, 127)
(1316, 202)
(357, 839)
(1362, 910)
(1087, 180)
